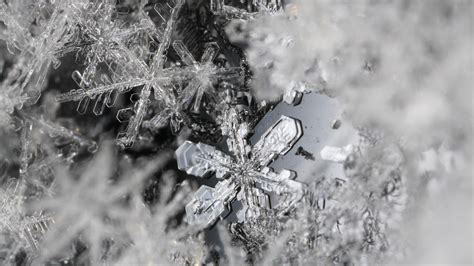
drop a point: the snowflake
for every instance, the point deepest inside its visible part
(203, 75)
(131, 67)
(245, 175)
(28, 229)
(40, 39)
(136, 73)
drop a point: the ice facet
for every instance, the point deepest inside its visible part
(277, 140)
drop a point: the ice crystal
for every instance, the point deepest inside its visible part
(242, 171)
(203, 75)
(137, 73)
(39, 42)
(130, 69)
(59, 133)
(207, 79)
(27, 228)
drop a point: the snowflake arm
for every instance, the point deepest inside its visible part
(277, 140)
(55, 130)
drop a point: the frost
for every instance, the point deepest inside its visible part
(203, 79)
(398, 67)
(38, 41)
(60, 133)
(132, 69)
(136, 73)
(25, 228)
(253, 9)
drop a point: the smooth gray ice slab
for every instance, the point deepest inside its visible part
(317, 113)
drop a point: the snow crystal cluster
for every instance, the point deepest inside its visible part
(129, 132)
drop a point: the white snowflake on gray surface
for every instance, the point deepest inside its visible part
(244, 175)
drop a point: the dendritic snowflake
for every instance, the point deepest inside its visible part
(203, 75)
(130, 69)
(199, 78)
(27, 228)
(38, 38)
(245, 175)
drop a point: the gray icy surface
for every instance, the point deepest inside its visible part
(316, 113)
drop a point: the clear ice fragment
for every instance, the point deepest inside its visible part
(123, 115)
(184, 53)
(83, 104)
(100, 104)
(209, 53)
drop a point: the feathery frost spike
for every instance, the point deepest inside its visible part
(55, 130)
